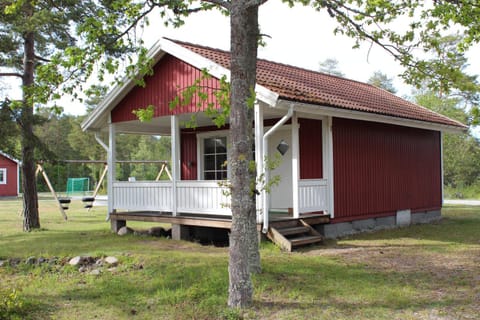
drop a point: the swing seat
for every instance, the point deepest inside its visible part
(88, 199)
(64, 200)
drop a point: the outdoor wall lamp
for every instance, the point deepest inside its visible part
(282, 147)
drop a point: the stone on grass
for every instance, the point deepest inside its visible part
(31, 260)
(14, 261)
(42, 260)
(3, 263)
(79, 260)
(124, 231)
(75, 261)
(112, 261)
(94, 272)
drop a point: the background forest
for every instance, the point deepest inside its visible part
(61, 138)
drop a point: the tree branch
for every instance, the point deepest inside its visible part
(11, 74)
(221, 3)
(252, 3)
(42, 59)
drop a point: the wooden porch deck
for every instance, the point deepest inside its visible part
(213, 221)
(284, 230)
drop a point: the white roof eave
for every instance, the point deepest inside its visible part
(99, 116)
(10, 157)
(366, 116)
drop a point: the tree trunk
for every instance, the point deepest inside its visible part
(31, 218)
(244, 37)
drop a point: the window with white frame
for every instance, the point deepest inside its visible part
(213, 156)
(3, 176)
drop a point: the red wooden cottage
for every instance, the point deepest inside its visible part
(358, 157)
(9, 175)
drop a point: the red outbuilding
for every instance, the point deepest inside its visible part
(353, 156)
(9, 175)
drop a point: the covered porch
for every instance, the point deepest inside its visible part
(187, 201)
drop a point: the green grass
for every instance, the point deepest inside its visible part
(420, 272)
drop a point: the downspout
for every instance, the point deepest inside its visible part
(265, 153)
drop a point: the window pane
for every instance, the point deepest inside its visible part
(214, 158)
(209, 146)
(221, 175)
(221, 162)
(209, 162)
(209, 175)
(2, 175)
(221, 145)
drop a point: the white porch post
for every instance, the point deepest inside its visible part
(441, 166)
(295, 164)
(259, 156)
(175, 142)
(111, 166)
(265, 170)
(328, 162)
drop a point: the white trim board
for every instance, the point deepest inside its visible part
(305, 108)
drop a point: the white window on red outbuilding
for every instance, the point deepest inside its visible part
(3, 176)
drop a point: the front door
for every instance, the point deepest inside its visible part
(281, 195)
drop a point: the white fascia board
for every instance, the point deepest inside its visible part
(156, 52)
(10, 158)
(263, 94)
(365, 116)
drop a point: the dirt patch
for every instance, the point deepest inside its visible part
(407, 259)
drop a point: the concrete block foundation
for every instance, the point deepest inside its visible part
(406, 218)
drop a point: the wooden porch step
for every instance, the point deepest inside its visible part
(301, 241)
(293, 230)
(291, 237)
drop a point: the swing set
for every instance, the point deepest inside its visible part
(75, 185)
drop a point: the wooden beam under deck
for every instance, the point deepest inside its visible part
(166, 217)
(198, 220)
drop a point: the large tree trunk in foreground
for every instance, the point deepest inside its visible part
(31, 218)
(244, 37)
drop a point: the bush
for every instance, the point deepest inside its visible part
(10, 305)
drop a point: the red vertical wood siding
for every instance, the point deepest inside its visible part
(11, 188)
(381, 168)
(188, 155)
(170, 78)
(311, 166)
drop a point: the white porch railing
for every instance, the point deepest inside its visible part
(202, 197)
(143, 195)
(312, 195)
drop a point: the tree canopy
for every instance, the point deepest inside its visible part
(381, 80)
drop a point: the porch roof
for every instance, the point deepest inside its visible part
(277, 83)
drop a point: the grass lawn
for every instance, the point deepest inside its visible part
(421, 272)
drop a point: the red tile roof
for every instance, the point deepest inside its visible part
(301, 85)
